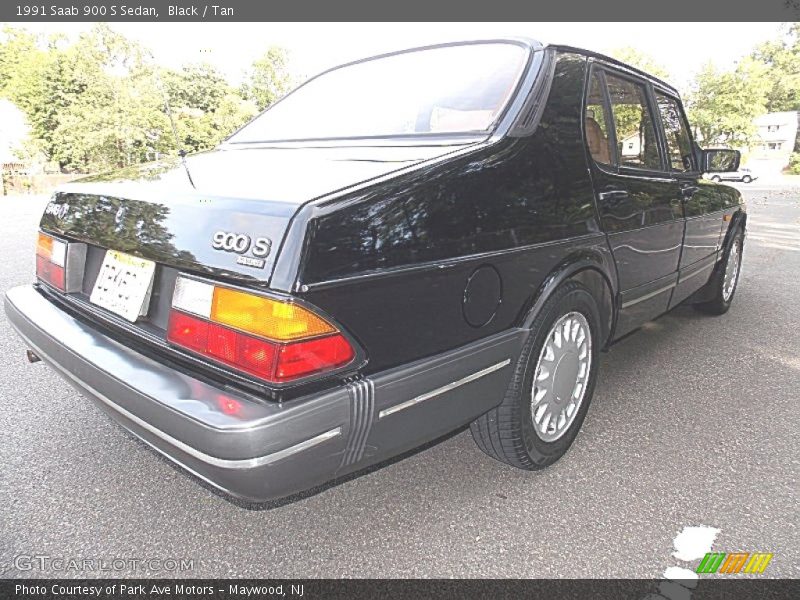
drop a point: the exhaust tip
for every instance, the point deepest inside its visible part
(31, 356)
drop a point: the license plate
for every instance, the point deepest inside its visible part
(124, 285)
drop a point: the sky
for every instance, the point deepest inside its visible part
(680, 47)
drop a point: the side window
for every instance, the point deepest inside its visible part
(636, 136)
(596, 125)
(679, 144)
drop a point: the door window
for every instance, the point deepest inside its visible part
(637, 145)
(679, 144)
(596, 123)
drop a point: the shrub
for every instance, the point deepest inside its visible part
(794, 164)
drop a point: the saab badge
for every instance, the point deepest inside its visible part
(241, 243)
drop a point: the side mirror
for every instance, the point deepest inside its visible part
(721, 161)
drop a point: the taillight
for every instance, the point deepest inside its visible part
(51, 261)
(275, 340)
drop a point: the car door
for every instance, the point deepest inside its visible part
(636, 200)
(702, 204)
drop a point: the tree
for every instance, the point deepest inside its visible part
(640, 60)
(782, 60)
(98, 103)
(90, 105)
(268, 78)
(205, 107)
(112, 115)
(195, 86)
(723, 104)
(18, 52)
(231, 114)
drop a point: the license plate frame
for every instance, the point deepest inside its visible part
(124, 285)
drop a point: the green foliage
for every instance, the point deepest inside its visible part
(794, 164)
(782, 59)
(268, 78)
(98, 103)
(195, 86)
(723, 104)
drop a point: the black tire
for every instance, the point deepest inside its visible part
(716, 178)
(747, 179)
(719, 303)
(506, 433)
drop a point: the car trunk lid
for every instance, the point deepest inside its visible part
(170, 212)
(206, 216)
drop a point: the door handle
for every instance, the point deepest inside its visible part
(687, 191)
(612, 195)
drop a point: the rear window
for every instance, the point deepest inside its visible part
(454, 89)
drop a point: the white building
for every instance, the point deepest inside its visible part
(776, 139)
(631, 146)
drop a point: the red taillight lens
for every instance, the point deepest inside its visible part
(301, 358)
(221, 343)
(272, 361)
(256, 356)
(188, 331)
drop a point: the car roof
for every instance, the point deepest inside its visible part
(619, 63)
(536, 44)
(533, 45)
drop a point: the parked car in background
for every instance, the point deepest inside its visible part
(742, 174)
(402, 246)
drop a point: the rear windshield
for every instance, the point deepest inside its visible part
(454, 89)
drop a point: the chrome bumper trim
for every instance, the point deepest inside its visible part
(441, 390)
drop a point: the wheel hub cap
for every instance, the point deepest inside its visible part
(731, 272)
(561, 375)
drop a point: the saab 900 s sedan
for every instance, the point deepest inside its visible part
(401, 246)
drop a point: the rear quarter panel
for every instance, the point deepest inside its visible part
(392, 262)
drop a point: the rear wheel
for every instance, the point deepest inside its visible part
(716, 178)
(552, 386)
(725, 279)
(747, 179)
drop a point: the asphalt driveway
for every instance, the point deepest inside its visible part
(694, 423)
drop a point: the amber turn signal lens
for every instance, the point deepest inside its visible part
(44, 245)
(280, 321)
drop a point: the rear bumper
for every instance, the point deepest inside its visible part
(255, 449)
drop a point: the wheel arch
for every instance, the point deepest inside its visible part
(592, 270)
(738, 221)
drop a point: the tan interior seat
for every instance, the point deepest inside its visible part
(598, 143)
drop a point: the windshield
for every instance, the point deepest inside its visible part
(453, 89)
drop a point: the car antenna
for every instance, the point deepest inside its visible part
(165, 99)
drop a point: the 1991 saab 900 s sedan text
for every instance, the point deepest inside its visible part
(402, 246)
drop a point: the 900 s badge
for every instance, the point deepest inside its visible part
(240, 243)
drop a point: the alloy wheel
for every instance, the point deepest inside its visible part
(731, 271)
(561, 376)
